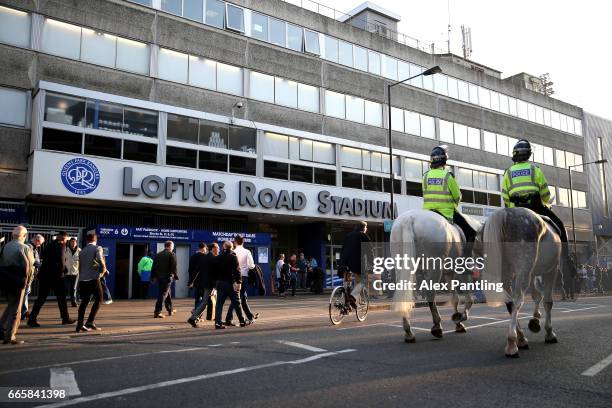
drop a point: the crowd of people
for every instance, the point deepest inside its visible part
(297, 271)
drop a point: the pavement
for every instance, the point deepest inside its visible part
(293, 356)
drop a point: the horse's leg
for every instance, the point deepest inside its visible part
(436, 330)
(550, 336)
(514, 308)
(409, 336)
(536, 295)
(457, 317)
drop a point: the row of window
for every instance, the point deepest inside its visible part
(562, 198)
(459, 134)
(13, 106)
(293, 148)
(281, 33)
(353, 108)
(413, 123)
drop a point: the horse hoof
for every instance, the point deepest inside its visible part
(436, 332)
(537, 315)
(534, 325)
(409, 340)
(524, 346)
(515, 355)
(456, 317)
(460, 328)
(551, 341)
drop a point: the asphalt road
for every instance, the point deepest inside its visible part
(298, 359)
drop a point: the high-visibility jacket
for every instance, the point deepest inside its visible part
(144, 268)
(441, 192)
(522, 179)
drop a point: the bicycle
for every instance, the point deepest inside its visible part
(340, 304)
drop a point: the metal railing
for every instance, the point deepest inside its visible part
(371, 27)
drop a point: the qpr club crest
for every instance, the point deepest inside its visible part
(80, 176)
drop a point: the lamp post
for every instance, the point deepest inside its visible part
(430, 71)
(571, 194)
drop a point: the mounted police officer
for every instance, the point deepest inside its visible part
(441, 192)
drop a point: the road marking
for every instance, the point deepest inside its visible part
(362, 326)
(63, 378)
(577, 310)
(598, 367)
(133, 390)
(485, 317)
(300, 345)
(96, 360)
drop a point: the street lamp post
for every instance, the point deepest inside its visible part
(430, 71)
(571, 194)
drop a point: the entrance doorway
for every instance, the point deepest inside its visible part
(182, 265)
(127, 280)
(332, 257)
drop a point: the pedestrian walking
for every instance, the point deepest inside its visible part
(17, 267)
(203, 281)
(302, 265)
(194, 273)
(36, 245)
(278, 272)
(229, 280)
(164, 271)
(245, 263)
(51, 276)
(72, 269)
(144, 272)
(293, 273)
(92, 266)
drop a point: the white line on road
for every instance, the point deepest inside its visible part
(178, 381)
(485, 317)
(598, 367)
(63, 378)
(300, 345)
(576, 310)
(363, 325)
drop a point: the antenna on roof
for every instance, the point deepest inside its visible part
(466, 37)
(449, 25)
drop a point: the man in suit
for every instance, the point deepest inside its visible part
(51, 276)
(203, 280)
(163, 271)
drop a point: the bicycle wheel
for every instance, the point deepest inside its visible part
(337, 305)
(362, 305)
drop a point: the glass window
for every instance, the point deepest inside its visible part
(242, 139)
(492, 182)
(172, 6)
(414, 189)
(511, 142)
(350, 157)
(361, 58)
(312, 42)
(102, 146)
(139, 122)
(323, 153)
(570, 124)
(235, 18)
(389, 67)
(259, 26)
(473, 138)
(331, 49)
(538, 153)
(397, 119)
(294, 38)
(144, 2)
(555, 120)
(294, 148)
(490, 142)
(58, 108)
(278, 32)
(373, 62)
(306, 150)
(132, 56)
(213, 134)
(539, 115)
(494, 101)
(415, 70)
(521, 108)
(212, 161)
(193, 9)
(138, 151)
(104, 116)
(61, 39)
(547, 117)
(173, 65)
(467, 196)
(453, 90)
(229, 79)
(512, 106)
(413, 123)
(464, 177)
(375, 161)
(578, 127)
(403, 70)
(261, 87)
(308, 98)
(563, 124)
(345, 54)
(351, 180)
(325, 176)
(504, 104)
(548, 156)
(277, 170)
(502, 145)
(286, 92)
(202, 72)
(578, 161)
(413, 169)
(463, 91)
(461, 134)
(177, 156)
(373, 113)
(301, 173)
(563, 197)
(61, 140)
(473, 92)
(440, 84)
(428, 126)
(446, 131)
(484, 96)
(183, 128)
(531, 112)
(480, 198)
(276, 145)
(560, 158)
(372, 183)
(428, 82)
(15, 27)
(354, 109)
(215, 13)
(334, 104)
(98, 48)
(14, 106)
(242, 165)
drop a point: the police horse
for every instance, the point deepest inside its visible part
(427, 234)
(523, 250)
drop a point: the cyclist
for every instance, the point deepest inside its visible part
(357, 245)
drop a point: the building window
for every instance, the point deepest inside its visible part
(286, 93)
(215, 13)
(202, 72)
(242, 139)
(453, 90)
(417, 81)
(102, 146)
(397, 185)
(98, 48)
(428, 126)
(446, 131)
(276, 145)
(397, 119)
(389, 67)
(350, 157)
(242, 165)
(295, 40)
(212, 161)
(360, 60)
(262, 87)
(354, 109)
(177, 156)
(473, 92)
(139, 122)
(62, 141)
(413, 169)
(480, 198)
(173, 65)
(312, 42)
(172, 6)
(259, 26)
(325, 176)
(277, 170)
(61, 39)
(473, 138)
(494, 102)
(441, 84)
(235, 18)
(137, 151)
(331, 49)
(373, 113)
(104, 116)
(308, 98)
(372, 183)
(502, 145)
(602, 178)
(351, 180)
(15, 27)
(373, 62)
(278, 32)
(461, 134)
(133, 56)
(192, 9)
(414, 189)
(213, 134)
(463, 92)
(345, 53)
(334, 104)
(301, 173)
(494, 200)
(64, 109)
(182, 128)
(13, 106)
(229, 79)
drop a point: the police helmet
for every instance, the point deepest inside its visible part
(439, 156)
(521, 151)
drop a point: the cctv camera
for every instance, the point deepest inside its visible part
(239, 105)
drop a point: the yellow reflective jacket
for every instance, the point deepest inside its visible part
(522, 179)
(441, 192)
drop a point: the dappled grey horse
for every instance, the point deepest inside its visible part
(522, 250)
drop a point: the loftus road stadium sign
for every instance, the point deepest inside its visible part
(153, 186)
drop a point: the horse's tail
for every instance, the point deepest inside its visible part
(403, 242)
(493, 248)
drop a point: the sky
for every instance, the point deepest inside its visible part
(570, 40)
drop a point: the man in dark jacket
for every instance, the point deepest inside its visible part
(357, 245)
(229, 280)
(202, 279)
(163, 271)
(51, 276)
(195, 262)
